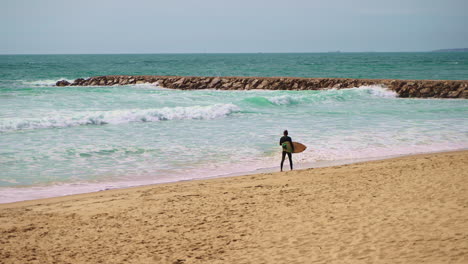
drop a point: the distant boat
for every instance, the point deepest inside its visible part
(337, 51)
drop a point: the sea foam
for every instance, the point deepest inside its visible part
(332, 95)
(119, 117)
(378, 91)
(285, 100)
(46, 82)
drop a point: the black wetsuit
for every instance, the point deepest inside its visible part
(283, 156)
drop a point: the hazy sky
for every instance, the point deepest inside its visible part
(173, 26)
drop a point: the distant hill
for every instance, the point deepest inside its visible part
(451, 50)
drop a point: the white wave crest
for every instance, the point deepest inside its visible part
(363, 91)
(378, 91)
(284, 100)
(119, 117)
(47, 82)
(147, 85)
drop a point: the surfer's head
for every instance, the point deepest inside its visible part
(285, 133)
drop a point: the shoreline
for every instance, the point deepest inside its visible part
(89, 188)
(410, 209)
(260, 171)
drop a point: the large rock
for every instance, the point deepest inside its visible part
(77, 82)
(62, 83)
(214, 82)
(263, 85)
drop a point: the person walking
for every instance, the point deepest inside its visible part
(288, 148)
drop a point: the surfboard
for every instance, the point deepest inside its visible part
(298, 147)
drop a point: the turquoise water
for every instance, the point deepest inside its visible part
(56, 141)
(444, 66)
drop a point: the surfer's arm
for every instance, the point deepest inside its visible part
(292, 145)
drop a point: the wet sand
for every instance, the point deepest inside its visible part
(411, 209)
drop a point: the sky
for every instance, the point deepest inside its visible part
(236, 26)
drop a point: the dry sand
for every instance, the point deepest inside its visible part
(405, 210)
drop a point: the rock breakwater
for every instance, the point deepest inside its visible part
(404, 88)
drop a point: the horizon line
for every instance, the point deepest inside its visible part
(181, 53)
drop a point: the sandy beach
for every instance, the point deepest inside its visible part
(411, 209)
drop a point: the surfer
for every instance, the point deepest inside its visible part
(288, 148)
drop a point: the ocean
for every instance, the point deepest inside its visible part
(57, 141)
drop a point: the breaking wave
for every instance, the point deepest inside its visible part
(276, 100)
(47, 82)
(338, 95)
(119, 117)
(376, 91)
(285, 100)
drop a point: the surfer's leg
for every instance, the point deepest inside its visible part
(290, 160)
(282, 159)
